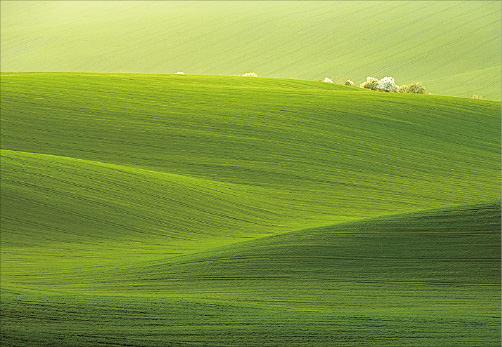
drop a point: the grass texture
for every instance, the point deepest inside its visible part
(166, 210)
(452, 47)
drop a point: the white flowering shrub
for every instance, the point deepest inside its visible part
(370, 83)
(416, 88)
(349, 83)
(249, 74)
(327, 80)
(387, 84)
(179, 73)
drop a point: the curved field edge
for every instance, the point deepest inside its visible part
(450, 245)
(433, 277)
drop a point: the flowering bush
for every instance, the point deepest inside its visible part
(371, 83)
(327, 80)
(349, 83)
(387, 84)
(416, 88)
(250, 74)
(179, 73)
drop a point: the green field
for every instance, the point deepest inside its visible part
(166, 210)
(453, 47)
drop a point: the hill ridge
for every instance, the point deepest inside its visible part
(314, 84)
(429, 43)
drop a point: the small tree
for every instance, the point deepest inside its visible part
(387, 84)
(416, 88)
(370, 83)
(477, 96)
(349, 83)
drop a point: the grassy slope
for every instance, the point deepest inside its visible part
(453, 47)
(423, 279)
(118, 189)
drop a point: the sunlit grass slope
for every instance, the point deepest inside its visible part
(167, 160)
(310, 138)
(86, 207)
(451, 46)
(165, 209)
(421, 279)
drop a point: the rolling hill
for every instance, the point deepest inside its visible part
(452, 47)
(419, 279)
(149, 209)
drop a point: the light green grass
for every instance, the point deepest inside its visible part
(453, 47)
(169, 210)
